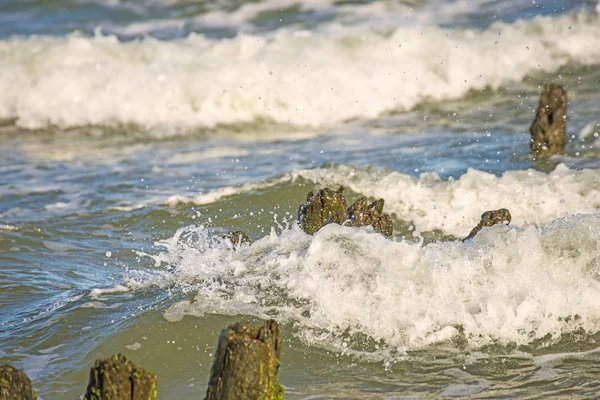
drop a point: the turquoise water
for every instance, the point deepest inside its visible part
(132, 136)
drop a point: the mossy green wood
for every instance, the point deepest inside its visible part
(361, 213)
(330, 206)
(117, 378)
(322, 208)
(246, 364)
(15, 384)
(549, 129)
(491, 218)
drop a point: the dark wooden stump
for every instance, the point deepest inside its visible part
(117, 378)
(15, 384)
(322, 208)
(361, 213)
(549, 129)
(490, 218)
(238, 238)
(330, 206)
(246, 365)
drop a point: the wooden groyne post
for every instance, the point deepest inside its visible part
(15, 384)
(117, 378)
(490, 218)
(549, 129)
(246, 365)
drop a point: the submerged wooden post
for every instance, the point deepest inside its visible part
(549, 129)
(237, 238)
(15, 384)
(490, 218)
(321, 208)
(246, 365)
(330, 206)
(117, 378)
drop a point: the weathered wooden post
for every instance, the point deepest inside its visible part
(237, 238)
(490, 218)
(246, 365)
(117, 378)
(15, 384)
(549, 129)
(361, 213)
(321, 208)
(330, 206)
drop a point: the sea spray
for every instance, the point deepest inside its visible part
(508, 285)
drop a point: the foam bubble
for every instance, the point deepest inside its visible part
(134, 347)
(300, 78)
(177, 311)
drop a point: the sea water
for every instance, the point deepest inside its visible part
(133, 135)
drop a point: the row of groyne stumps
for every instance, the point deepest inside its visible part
(246, 366)
(246, 363)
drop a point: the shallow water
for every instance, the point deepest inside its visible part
(133, 136)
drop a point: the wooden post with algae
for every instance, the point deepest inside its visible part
(490, 218)
(549, 129)
(15, 384)
(117, 378)
(246, 365)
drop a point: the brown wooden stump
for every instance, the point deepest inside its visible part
(246, 365)
(321, 208)
(15, 384)
(116, 378)
(361, 213)
(490, 218)
(238, 238)
(549, 129)
(330, 206)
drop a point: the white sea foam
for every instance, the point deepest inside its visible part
(97, 293)
(510, 284)
(303, 78)
(453, 206)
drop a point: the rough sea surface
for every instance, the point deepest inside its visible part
(134, 134)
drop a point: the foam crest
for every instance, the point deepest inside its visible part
(509, 285)
(300, 78)
(455, 206)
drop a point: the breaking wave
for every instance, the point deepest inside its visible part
(509, 285)
(302, 78)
